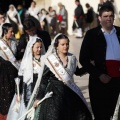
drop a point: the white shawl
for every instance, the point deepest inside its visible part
(12, 15)
(26, 67)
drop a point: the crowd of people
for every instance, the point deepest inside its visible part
(36, 73)
(54, 22)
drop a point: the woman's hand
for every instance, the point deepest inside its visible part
(35, 103)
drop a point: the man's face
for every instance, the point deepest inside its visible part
(31, 31)
(2, 19)
(101, 1)
(107, 19)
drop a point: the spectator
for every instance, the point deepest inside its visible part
(78, 19)
(62, 18)
(31, 31)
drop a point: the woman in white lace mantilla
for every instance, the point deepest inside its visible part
(60, 66)
(34, 10)
(31, 66)
(8, 69)
(15, 20)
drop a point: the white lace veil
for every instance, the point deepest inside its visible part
(26, 67)
(13, 13)
(72, 61)
(51, 47)
(50, 51)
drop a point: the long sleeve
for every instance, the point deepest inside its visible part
(86, 55)
(43, 83)
(80, 71)
(44, 35)
(79, 11)
(21, 46)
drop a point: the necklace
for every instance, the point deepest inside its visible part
(62, 62)
(38, 59)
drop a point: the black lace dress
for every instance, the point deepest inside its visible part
(27, 89)
(7, 83)
(64, 104)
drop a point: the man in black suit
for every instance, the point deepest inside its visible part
(78, 19)
(30, 31)
(100, 57)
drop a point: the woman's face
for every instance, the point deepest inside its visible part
(51, 9)
(10, 33)
(2, 18)
(60, 6)
(11, 8)
(37, 47)
(63, 46)
(33, 4)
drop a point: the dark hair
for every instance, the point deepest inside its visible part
(2, 12)
(105, 8)
(87, 5)
(33, 2)
(5, 28)
(38, 40)
(49, 8)
(28, 23)
(62, 36)
(43, 9)
(77, 1)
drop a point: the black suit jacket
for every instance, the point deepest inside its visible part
(25, 38)
(93, 49)
(79, 14)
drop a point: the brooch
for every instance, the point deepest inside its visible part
(56, 64)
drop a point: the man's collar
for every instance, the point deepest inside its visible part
(111, 32)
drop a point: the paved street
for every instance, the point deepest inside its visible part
(82, 82)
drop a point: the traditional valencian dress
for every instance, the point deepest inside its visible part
(34, 12)
(8, 71)
(28, 75)
(67, 101)
(15, 20)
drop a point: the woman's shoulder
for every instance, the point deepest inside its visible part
(13, 40)
(71, 55)
(72, 58)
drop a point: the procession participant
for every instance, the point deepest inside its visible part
(60, 66)
(8, 69)
(30, 67)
